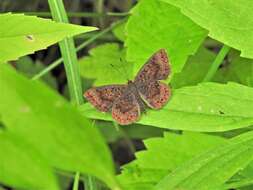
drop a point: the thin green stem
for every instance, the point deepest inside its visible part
(76, 181)
(81, 46)
(217, 62)
(79, 14)
(68, 52)
(67, 48)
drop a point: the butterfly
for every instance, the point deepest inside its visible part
(126, 102)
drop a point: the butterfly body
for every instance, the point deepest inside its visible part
(126, 102)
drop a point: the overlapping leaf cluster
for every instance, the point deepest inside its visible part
(45, 132)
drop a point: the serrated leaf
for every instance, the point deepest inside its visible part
(194, 70)
(165, 154)
(64, 137)
(208, 107)
(21, 166)
(21, 35)
(228, 21)
(107, 65)
(212, 169)
(154, 25)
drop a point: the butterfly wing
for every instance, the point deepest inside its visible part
(103, 97)
(154, 93)
(126, 109)
(156, 68)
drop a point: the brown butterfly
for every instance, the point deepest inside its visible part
(126, 102)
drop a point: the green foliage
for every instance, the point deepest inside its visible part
(107, 65)
(41, 134)
(29, 68)
(239, 70)
(65, 138)
(22, 35)
(208, 107)
(170, 152)
(154, 25)
(194, 70)
(210, 170)
(227, 21)
(30, 163)
(120, 32)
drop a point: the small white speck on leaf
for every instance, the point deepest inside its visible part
(212, 111)
(24, 109)
(58, 103)
(199, 108)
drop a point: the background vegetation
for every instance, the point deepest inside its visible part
(51, 139)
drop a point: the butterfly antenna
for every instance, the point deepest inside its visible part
(124, 68)
(123, 74)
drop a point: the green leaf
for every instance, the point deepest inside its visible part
(29, 68)
(228, 21)
(170, 152)
(154, 25)
(22, 35)
(239, 70)
(210, 170)
(107, 65)
(194, 70)
(64, 137)
(208, 107)
(120, 32)
(21, 166)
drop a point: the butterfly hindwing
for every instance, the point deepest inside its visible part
(155, 94)
(156, 68)
(103, 97)
(126, 109)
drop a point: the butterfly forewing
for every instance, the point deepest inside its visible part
(154, 93)
(103, 97)
(126, 109)
(156, 68)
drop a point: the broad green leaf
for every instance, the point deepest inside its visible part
(239, 70)
(21, 35)
(208, 107)
(107, 65)
(165, 154)
(194, 70)
(154, 25)
(42, 117)
(23, 167)
(30, 68)
(210, 170)
(228, 21)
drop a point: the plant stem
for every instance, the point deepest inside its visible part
(79, 14)
(81, 46)
(76, 181)
(217, 62)
(67, 48)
